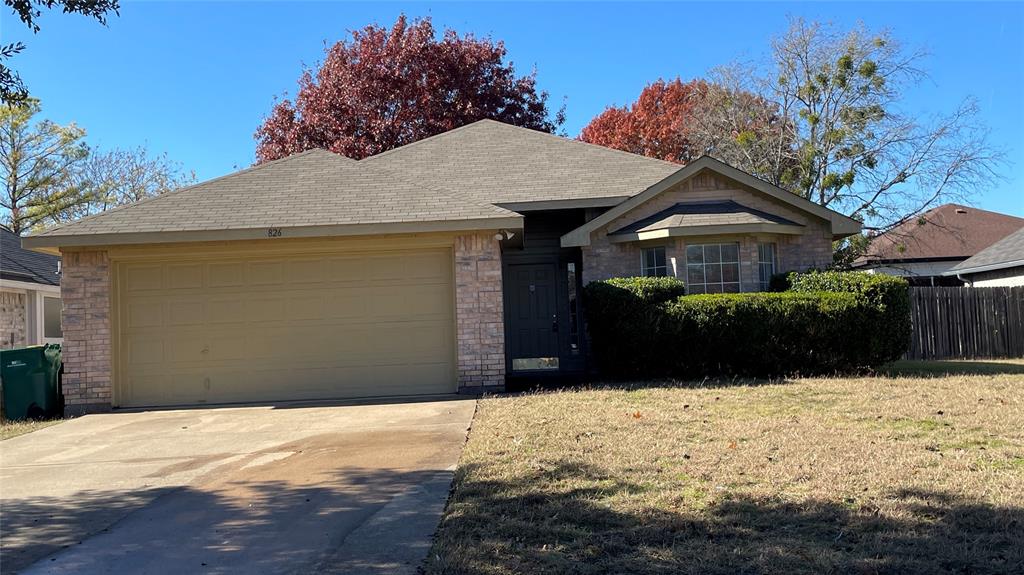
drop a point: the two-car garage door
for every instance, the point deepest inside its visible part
(284, 327)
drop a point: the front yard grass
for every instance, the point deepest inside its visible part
(9, 429)
(886, 474)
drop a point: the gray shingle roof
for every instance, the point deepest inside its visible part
(462, 179)
(493, 162)
(314, 188)
(1007, 252)
(691, 214)
(19, 264)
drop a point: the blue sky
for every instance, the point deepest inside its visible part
(194, 79)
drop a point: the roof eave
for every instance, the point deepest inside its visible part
(984, 268)
(53, 243)
(712, 230)
(604, 202)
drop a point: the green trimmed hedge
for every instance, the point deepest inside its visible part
(633, 303)
(644, 327)
(888, 296)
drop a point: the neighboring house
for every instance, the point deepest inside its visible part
(1001, 264)
(924, 249)
(30, 305)
(444, 265)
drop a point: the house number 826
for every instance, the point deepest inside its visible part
(273, 232)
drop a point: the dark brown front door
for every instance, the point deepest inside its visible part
(533, 321)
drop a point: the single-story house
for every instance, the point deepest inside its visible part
(30, 305)
(925, 248)
(1001, 264)
(441, 266)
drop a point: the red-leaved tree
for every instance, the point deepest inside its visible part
(681, 121)
(386, 88)
(657, 125)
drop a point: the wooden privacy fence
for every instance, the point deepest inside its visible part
(964, 322)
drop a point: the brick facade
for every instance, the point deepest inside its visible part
(603, 259)
(85, 289)
(13, 321)
(479, 313)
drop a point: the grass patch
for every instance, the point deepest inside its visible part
(9, 429)
(832, 475)
(915, 368)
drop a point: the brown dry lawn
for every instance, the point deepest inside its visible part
(9, 429)
(915, 470)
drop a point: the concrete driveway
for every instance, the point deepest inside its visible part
(283, 489)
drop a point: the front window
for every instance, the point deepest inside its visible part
(713, 268)
(765, 264)
(652, 262)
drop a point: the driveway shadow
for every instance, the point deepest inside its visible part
(237, 526)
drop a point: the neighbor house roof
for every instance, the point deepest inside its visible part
(948, 232)
(314, 193)
(19, 264)
(496, 163)
(1006, 253)
(696, 218)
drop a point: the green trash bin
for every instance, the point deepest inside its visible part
(31, 382)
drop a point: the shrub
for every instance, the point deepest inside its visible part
(627, 305)
(887, 295)
(761, 333)
(649, 289)
(643, 327)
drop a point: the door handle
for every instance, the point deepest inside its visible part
(554, 323)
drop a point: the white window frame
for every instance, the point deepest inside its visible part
(704, 265)
(655, 267)
(765, 283)
(34, 294)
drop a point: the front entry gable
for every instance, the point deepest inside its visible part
(707, 180)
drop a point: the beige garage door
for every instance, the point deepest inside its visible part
(284, 328)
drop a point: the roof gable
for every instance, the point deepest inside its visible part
(841, 225)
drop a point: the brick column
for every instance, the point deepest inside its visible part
(479, 313)
(85, 291)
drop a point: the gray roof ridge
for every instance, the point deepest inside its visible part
(562, 139)
(50, 230)
(600, 147)
(420, 141)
